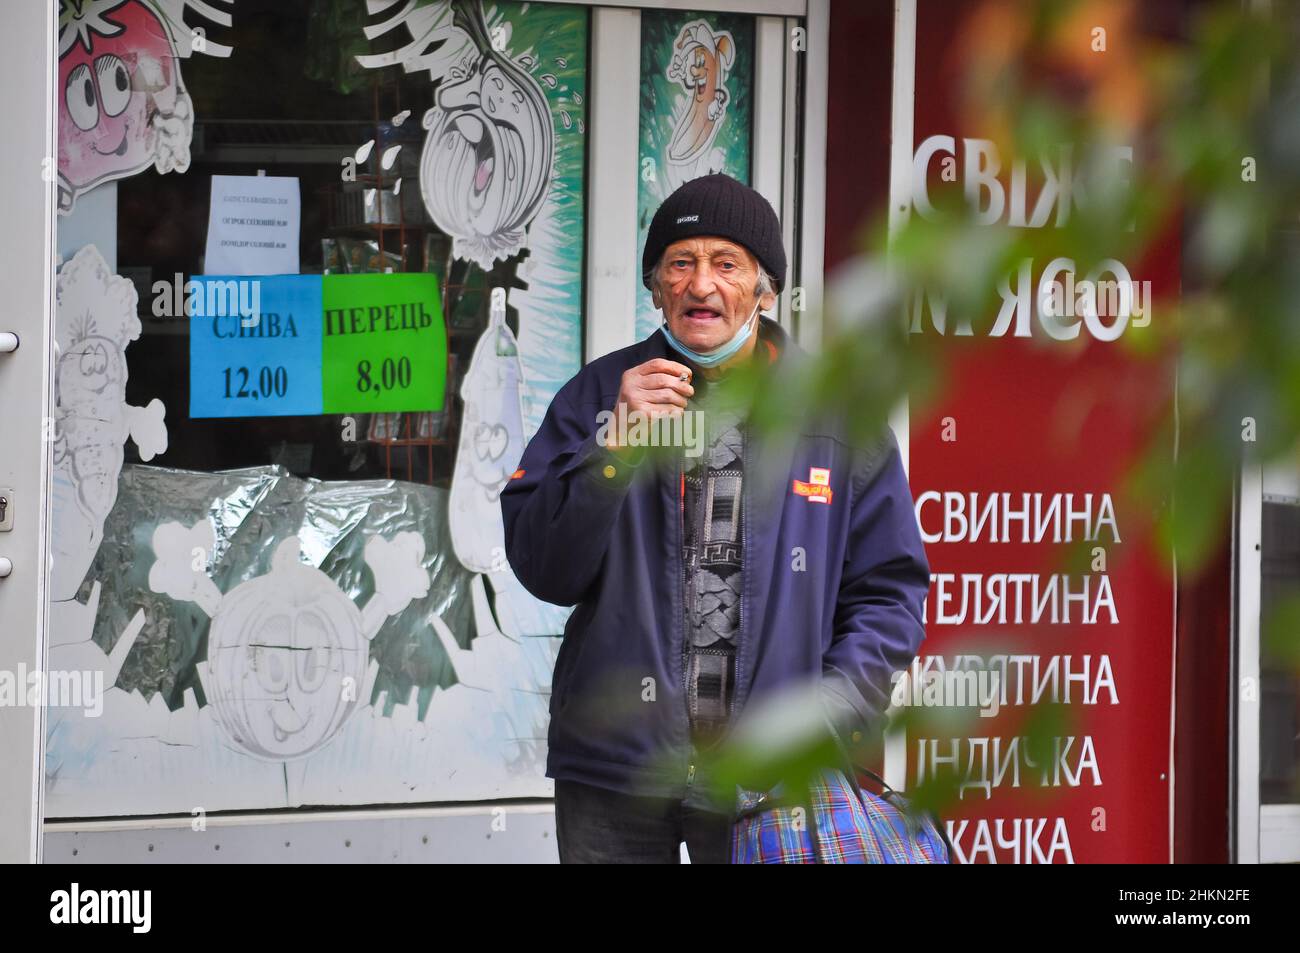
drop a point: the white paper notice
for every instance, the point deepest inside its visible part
(253, 225)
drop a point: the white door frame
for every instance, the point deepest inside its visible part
(902, 121)
(27, 194)
(1263, 833)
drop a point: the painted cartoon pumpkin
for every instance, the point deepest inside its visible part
(288, 652)
(279, 651)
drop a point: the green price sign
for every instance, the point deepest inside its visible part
(384, 346)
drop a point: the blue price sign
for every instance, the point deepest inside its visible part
(255, 345)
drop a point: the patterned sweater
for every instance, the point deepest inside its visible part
(712, 557)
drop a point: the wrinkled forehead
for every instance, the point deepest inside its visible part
(709, 245)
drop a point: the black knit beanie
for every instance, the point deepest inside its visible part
(717, 205)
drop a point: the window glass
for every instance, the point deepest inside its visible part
(321, 274)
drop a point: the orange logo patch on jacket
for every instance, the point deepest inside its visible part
(818, 487)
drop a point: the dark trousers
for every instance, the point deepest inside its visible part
(597, 826)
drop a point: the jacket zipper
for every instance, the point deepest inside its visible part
(689, 571)
(684, 578)
(745, 480)
(697, 531)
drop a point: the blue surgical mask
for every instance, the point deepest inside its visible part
(722, 352)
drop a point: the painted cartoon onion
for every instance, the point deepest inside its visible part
(486, 165)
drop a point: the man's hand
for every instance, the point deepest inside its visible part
(657, 388)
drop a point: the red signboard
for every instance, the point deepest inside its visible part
(1019, 462)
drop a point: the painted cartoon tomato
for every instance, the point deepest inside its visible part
(122, 104)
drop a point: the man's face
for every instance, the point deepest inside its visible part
(706, 290)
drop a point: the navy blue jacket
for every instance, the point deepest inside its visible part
(584, 528)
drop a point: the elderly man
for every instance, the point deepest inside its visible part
(708, 577)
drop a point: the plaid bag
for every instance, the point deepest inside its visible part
(846, 825)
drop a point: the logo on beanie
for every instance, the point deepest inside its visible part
(687, 218)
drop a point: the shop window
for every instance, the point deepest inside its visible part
(297, 592)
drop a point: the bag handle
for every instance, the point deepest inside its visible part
(888, 791)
